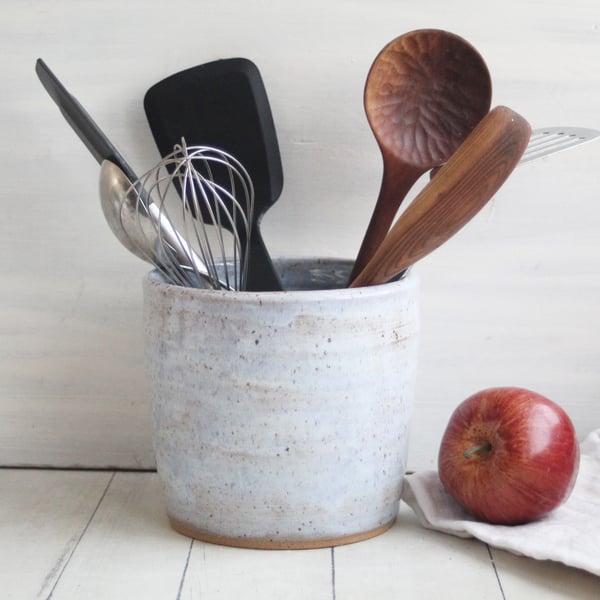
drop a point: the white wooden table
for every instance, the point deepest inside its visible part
(104, 534)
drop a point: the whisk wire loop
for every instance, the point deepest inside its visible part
(203, 237)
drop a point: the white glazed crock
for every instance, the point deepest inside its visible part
(282, 418)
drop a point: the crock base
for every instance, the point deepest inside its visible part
(274, 543)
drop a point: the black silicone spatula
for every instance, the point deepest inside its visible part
(224, 104)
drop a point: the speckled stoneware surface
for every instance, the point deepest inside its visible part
(282, 418)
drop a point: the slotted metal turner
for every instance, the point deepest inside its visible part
(556, 139)
(549, 140)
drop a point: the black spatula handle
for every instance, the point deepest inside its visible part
(261, 272)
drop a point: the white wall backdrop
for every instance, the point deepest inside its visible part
(513, 299)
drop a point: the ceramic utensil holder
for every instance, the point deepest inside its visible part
(282, 418)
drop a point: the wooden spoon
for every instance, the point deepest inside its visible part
(424, 93)
(453, 197)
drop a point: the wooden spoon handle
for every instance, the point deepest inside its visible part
(398, 178)
(453, 197)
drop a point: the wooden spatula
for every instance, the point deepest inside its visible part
(469, 179)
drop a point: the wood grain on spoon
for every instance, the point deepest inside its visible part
(453, 197)
(425, 92)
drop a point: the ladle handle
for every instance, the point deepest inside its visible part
(398, 179)
(183, 252)
(80, 121)
(453, 197)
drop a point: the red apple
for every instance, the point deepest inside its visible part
(509, 455)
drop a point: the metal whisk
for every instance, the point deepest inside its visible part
(197, 229)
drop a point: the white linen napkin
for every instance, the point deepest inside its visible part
(570, 534)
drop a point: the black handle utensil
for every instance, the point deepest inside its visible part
(224, 104)
(80, 121)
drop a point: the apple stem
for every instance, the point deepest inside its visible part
(484, 448)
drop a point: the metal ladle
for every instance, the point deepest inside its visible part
(425, 92)
(141, 228)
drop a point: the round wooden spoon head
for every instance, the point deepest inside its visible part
(425, 92)
(453, 197)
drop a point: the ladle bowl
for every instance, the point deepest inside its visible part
(113, 186)
(140, 228)
(424, 94)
